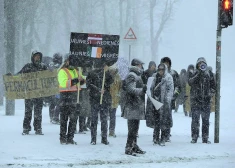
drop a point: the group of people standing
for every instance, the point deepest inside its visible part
(166, 88)
(105, 96)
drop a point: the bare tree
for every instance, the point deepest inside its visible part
(10, 36)
(164, 17)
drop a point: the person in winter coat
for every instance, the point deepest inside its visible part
(84, 105)
(68, 79)
(54, 100)
(177, 89)
(115, 94)
(149, 72)
(94, 84)
(202, 90)
(162, 90)
(182, 96)
(35, 103)
(134, 107)
(190, 72)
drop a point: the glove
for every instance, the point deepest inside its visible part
(144, 89)
(175, 96)
(74, 81)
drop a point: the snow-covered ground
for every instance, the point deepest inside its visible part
(45, 151)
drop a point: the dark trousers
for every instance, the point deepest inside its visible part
(159, 127)
(112, 119)
(82, 123)
(88, 122)
(133, 127)
(67, 131)
(204, 112)
(56, 115)
(30, 105)
(103, 110)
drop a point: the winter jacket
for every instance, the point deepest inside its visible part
(177, 88)
(148, 73)
(183, 82)
(33, 67)
(94, 84)
(115, 88)
(67, 97)
(134, 105)
(162, 90)
(202, 85)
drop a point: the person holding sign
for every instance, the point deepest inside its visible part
(162, 90)
(134, 105)
(68, 79)
(94, 81)
(35, 103)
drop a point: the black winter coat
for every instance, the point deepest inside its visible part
(134, 105)
(94, 84)
(202, 87)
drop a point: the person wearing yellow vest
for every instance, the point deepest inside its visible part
(68, 79)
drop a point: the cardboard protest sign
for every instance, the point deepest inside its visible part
(31, 85)
(87, 48)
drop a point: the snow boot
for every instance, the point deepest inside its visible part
(72, 142)
(136, 149)
(112, 134)
(25, 132)
(194, 141)
(104, 141)
(128, 151)
(206, 141)
(162, 143)
(93, 141)
(39, 132)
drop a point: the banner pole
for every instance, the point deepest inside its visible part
(79, 85)
(101, 97)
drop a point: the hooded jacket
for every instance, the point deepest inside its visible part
(202, 85)
(94, 84)
(134, 108)
(148, 73)
(33, 67)
(162, 90)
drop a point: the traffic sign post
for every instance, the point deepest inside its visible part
(130, 35)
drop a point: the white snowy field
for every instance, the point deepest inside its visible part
(45, 151)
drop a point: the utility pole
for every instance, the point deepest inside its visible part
(225, 19)
(218, 76)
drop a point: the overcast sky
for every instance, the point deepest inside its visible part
(192, 34)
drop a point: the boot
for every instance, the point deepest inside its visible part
(136, 149)
(128, 151)
(156, 141)
(71, 142)
(25, 132)
(93, 141)
(162, 143)
(39, 132)
(206, 141)
(63, 141)
(104, 141)
(112, 134)
(194, 141)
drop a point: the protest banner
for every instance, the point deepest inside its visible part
(87, 48)
(31, 85)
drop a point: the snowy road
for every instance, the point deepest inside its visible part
(45, 151)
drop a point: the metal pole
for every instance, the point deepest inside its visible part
(129, 53)
(218, 76)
